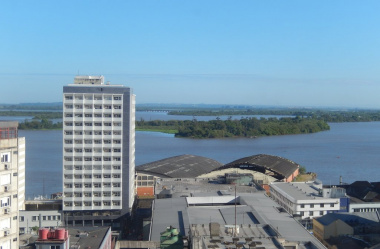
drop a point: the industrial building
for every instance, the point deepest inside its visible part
(348, 230)
(271, 168)
(183, 166)
(98, 151)
(259, 169)
(12, 182)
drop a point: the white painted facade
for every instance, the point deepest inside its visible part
(98, 146)
(41, 218)
(12, 182)
(305, 199)
(364, 207)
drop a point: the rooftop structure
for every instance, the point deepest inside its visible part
(256, 218)
(186, 187)
(78, 237)
(52, 238)
(87, 79)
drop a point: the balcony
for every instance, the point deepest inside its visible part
(68, 198)
(118, 111)
(97, 101)
(69, 119)
(117, 128)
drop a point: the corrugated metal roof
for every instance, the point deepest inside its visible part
(184, 166)
(279, 165)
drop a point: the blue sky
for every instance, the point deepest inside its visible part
(282, 53)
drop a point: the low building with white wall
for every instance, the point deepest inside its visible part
(30, 220)
(308, 200)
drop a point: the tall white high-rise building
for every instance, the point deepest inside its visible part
(12, 182)
(98, 151)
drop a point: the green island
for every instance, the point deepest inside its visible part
(334, 116)
(295, 120)
(245, 127)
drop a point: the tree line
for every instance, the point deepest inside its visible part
(245, 127)
(43, 124)
(325, 115)
(302, 122)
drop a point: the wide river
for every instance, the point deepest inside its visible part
(350, 150)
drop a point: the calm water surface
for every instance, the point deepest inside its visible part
(350, 150)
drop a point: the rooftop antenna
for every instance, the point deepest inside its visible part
(43, 185)
(235, 232)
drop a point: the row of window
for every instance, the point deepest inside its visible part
(44, 217)
(281, 198)
(93, 141)
(95, 115)
(90, 133)
(89, 176)
(90, 107)
(311, 213)
(93, 185)
(90, 150)
(145, 183)
(89, 203)
(315, 205)
(92, 167)
(91, 194)
(95, 158)
(91, 97)
(88, 124)
(144, 177)
(8, 132)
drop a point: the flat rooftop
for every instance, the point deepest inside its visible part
(197, 187)
(179, 166)
(255, 213)
(87, 237)
(299, 191)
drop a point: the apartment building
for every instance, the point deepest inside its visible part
(12, 182)
(98, 151)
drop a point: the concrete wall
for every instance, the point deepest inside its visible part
(30, 219)
(337, 228)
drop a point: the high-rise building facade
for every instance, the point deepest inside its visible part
(98, 150)
(12, 182)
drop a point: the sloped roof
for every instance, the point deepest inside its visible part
(94, 238)
(364, 190)
(183, 166)
(276, 164)
(349, 218)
